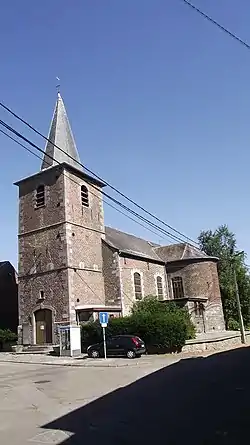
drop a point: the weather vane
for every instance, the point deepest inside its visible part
(58, 84)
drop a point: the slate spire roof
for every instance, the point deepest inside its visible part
(61, 135)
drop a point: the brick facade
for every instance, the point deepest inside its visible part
(200, 283)
(70, 263)
(148, 271)
(60, 246)
(63, 253)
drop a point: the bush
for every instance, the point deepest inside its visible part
(91, 332)
(153, 306)
(7, 337)
(163, 327)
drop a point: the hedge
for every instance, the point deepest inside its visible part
(163, 327)
(7, 337)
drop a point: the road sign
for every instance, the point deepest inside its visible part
(103, 318)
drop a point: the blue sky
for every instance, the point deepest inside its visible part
(158, 99)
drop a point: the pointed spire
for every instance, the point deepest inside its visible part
(61, 135)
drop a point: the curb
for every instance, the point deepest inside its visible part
(74, 365)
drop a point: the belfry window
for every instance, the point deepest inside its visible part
(84, 196)
(40, 196)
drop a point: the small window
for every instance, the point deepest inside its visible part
(40, 196)
(138, 286)
(41, 295)
(198, 309)
(159, 288)
(177, 285)
(84, 196)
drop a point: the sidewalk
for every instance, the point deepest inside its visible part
(85, 361)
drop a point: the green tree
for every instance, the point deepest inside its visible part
(163, 326)
(222, 244)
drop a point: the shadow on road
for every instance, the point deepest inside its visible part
(203, 401)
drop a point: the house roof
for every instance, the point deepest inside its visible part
(181, 251)
(61, 135)
(131, 245)
(6, 265)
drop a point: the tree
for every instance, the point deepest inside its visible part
(222, 244)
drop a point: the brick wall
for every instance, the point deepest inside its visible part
(148, 271)
(84, 233)
(200, 280)
(60, 245)
(111, 274)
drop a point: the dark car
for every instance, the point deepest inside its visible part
(129, 346)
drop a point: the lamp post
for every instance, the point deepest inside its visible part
(242, 329)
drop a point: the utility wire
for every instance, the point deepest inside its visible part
(98, 177)
(174, 237)
(106, 202)
(221, 27)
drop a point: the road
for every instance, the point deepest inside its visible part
(198, 401)
(33, 395)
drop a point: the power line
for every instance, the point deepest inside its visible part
(97, 176)
(174, 237)
(169, 236)
(221, 27)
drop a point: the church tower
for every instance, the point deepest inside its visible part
(61, 227)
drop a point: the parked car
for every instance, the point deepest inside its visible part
(129, 346)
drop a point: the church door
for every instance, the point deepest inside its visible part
(43, 319)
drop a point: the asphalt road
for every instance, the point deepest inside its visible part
(32, 395)
(198, 401)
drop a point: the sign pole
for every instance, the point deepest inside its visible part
(104, 342)
(103, 318)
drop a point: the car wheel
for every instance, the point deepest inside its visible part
(95, 353)
(130, 354)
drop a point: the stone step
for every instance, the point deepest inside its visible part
(38, 349)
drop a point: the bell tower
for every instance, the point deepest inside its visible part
(61, 227)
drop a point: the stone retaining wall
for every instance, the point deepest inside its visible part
(214, 345)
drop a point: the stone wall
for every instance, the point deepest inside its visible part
(214, 345)
(200, 280)
(84, 233)
(149, 271)
(111, 273)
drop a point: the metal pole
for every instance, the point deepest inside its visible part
(104, 342)
(242, 329)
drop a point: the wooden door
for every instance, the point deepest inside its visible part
(43, 319)
(40, 332)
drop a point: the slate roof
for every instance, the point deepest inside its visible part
(60, 134)
(181, 251)
(130, 244)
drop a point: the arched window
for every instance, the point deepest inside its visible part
(84, 196)
(40, 196)
(159, 288)
(177, 285)
(138, 286)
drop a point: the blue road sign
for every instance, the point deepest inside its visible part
(103, 317)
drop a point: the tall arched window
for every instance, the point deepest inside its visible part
(84, 196)
(159, 288)
(40, 196)
(137, 286)
(177, 285)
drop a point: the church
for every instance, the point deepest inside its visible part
(71, 266)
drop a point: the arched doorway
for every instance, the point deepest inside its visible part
(43, 321)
